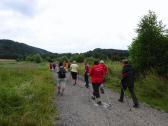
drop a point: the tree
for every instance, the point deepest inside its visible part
(62, 59)
(147, 49)
(37, 58)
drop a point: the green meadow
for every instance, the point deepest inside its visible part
(27, 93)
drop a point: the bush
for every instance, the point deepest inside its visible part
(34, 58)
(37, 58)
(90, 60)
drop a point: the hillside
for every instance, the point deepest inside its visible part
(11, 50)
(110, 53)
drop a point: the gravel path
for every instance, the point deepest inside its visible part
(77, 110)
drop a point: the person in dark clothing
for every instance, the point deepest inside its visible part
(50, 66)
(86, 75)
(128, 82)
(61, 79)
(54, 66)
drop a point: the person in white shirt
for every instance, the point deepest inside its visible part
(74, 71)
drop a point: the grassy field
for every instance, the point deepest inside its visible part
(26, 94)
(151, 89)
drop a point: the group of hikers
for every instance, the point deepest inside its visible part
(98, 73)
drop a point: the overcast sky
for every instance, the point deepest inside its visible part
(75, 25)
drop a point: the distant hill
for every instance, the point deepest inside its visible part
(12, 50)
(110, 53)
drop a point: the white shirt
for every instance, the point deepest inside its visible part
(74, 68)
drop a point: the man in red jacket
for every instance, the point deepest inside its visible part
(104, 67)
(97, 77)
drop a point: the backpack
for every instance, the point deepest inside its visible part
(61, 72)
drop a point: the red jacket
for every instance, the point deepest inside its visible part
(97, 74)
(105, 69)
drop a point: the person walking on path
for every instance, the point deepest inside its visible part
(97, 77)
(61, 79)
(54, 66)
(50, 66)
(86, 75)
(104, 67)
(74, 71)
(128, 81)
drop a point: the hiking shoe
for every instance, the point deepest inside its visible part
(61, 94)
(58, 93)
(136, 106)
(93, 97)
(102, 90)
(87, 86)
(120, 100)
(99, 103)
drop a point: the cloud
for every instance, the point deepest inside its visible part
(25, 7)
(75, 25)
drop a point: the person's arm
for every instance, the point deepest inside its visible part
(77, 69)
(71, 67)
(124, 72)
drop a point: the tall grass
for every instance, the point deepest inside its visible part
(151, 89)
(26, 95)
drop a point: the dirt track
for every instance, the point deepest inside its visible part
(77, 110)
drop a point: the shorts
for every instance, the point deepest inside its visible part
(74, 75)
(61, 82)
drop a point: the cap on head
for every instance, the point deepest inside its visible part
(101, 61)
(125, 61)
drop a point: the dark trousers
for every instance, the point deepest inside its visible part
(126, 85)
(86, 80)
(96, 89)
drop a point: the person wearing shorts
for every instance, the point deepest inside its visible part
(74, 71)
(61, 79)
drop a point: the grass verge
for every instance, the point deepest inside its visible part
(26, 95)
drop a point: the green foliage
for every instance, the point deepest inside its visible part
(62, 59)
(151, 89)
(146, 51)
(34, 58)
(49, 59)
(78, 57)
(26, 95)
(29, 58)
(90, 60)
(37, 58)
(112, 54)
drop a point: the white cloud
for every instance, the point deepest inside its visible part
(77, 25)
